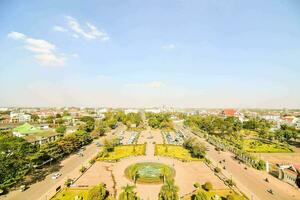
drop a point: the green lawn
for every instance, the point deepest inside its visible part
(70, 194)
(255, 146)
(124, 151)
(221, 193)
(174, 151)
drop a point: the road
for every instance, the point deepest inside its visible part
(69, 169)
(251, 181)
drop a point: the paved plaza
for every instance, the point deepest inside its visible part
(187, 173)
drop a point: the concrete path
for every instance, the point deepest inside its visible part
(187, 173)
(251, 181)
(70, 169)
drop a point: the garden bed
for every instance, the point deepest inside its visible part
(174, 151)
(71, 193)
(124, 151)
(211, 194)
(257, 146)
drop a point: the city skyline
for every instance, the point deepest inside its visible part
(202, 54)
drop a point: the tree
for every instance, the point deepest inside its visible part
(15, 159)
(164, 174)
(53, 150)
(61, 129)
(50, 119)
(98, 192)
(128, 193)
(200, 195)
(35, 117)
(160, 120)
(197, 185)
(82, 169)
(207, 186)
(68, 182)
(196, 148)
(169, 191)
(89, 122)
(136, 175)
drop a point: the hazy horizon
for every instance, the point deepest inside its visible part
(178, 53)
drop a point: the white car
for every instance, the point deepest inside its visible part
(56, 175)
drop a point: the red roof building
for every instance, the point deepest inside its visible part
(229, 112)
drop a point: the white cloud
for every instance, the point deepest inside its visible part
(168, 46)
(59, 29)
(16, 35)
(44, 51)
(90, 31)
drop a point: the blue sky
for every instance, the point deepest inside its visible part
(182, 53)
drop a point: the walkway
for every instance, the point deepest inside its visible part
(251, 181)
(187, 173)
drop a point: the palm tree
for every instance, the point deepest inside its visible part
(164, 173)
(136, 175)
(128, 193)
(168, 191)
(98, 192)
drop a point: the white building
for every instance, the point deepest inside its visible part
(131, 111)
(17, 117)
(153, 110)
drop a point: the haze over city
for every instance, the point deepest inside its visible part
(180, 53)
(149, 100)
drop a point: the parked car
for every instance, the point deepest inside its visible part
(56, 175)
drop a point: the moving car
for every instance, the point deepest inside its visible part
(56, 175)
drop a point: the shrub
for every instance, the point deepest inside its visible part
(68, 182)
(207, 161)
(92, 161)
(200, 195)
(230, 182)
(197, 185)
(98, 192)
(82, 169)
(230, 197)
(261, 165)
(217, 170)
(207, 186)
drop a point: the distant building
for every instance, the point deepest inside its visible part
(16, 117)
(5, 119)
(233, 113)
(289, 174)
(290, 120)
(229, 112)
(297, 125)
(131, 111)
(271, 117)
(153, 110)
(35, 135)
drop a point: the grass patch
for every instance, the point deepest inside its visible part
(221, 193)
(256, 146)
(70, 194)
(124, 151)
(174, 151)
(149, 172)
